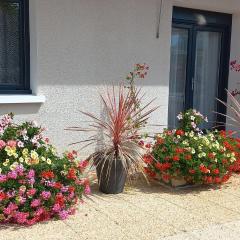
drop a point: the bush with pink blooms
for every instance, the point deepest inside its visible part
(35, 183)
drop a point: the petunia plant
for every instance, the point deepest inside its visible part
(36, 184)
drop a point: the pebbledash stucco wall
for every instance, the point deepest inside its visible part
(80, 46)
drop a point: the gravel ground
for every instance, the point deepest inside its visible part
(146, 212)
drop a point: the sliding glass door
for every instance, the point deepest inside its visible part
(199, 64)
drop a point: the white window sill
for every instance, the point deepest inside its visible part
(4, 99)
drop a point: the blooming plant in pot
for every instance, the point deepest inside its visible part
(119, 153)
(187, 153)
(36, 184)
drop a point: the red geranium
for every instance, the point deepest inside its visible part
(176, 158)
(180, 132)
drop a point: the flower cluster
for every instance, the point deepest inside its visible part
(139, 71)
(190, 120)
(198, 158)
(235, 66)
(35, 183)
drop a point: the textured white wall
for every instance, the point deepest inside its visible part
(78, 46)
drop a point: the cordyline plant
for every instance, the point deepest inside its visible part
(234, 107)
(120, 129)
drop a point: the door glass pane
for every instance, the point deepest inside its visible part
(179, 51)
(208, 48)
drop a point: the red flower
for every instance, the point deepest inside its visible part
(3, 196)
(58, 185)
(209, 179)
(72, 174)
(166, 177)
(179, 150)
(149, 172)
(176, 158)
(60, 199)
(47, 174)
(192, 171)
(188, 157)
(216, 171)
(211, 155)
(148, 145)
(70, 156)
(160, 141)
(163, 166)
(180, 132)
(148, 159)
(226, 177)
(71, 189)
(141, 143)
(217, 180)
(167, 158)
(203, 169)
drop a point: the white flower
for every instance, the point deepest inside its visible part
(180, 116)
(49, 161)
(192, 118)
(206, 119)
(20, 144)
(25, 137)
(193, 151)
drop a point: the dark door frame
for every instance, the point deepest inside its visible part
(217, 22)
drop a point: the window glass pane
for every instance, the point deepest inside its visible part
(9, 43)
(179, 51)
(208, 49)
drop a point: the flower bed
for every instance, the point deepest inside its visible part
(35, 183)
(187, 153)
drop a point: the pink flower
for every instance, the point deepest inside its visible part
(87, 190)
(3, 178)
(39, 211)
(12, 175)
(31, 174)
(11, 143)
(63, 214)
(2, 144)
(21, 217)
(31, 192)
(56, 207)
(35, 203)
(46, 195)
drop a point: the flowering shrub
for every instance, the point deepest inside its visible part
(35, 183)
(189, 154)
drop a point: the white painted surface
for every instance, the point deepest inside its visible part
(21, 99)
(80, 46)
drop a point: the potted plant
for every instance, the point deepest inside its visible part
(188, 156)
(119, 153)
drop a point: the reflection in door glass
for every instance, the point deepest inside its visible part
(207, 74)
(179, 51)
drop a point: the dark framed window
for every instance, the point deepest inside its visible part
(200, 52)
(14, 47)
